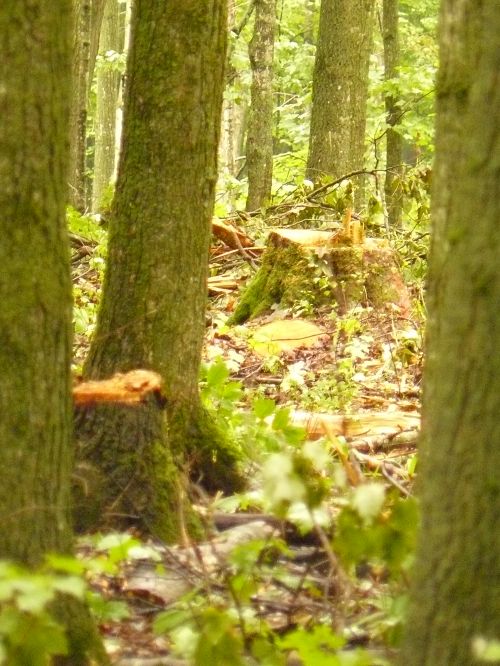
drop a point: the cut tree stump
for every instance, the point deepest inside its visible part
(357, 271)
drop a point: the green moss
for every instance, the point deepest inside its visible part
(126, 473)
(212, 458)
(282, 277)
(84, 642)
(289, 274)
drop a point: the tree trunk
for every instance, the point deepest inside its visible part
(108, 82)
(310, 22)
(227, 152)
(340, 84)
(456, 592)
(394, 151)
(35, 296)
(260, 122)
(87, 18)
(154, 297)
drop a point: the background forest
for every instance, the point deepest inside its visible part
(227, 229)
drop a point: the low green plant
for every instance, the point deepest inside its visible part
(85, 291)
(28, 632)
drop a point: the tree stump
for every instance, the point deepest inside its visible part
(339, 267)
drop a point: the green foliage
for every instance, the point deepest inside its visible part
(88, 227)
(262, 429)
(321, 646)
(86, 291)
(486, 651)
(29, 635)
(302, 482)
(376, 528)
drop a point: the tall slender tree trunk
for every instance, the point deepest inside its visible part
(260, 122)
(456, 591)
(87, 18)
(35, 296)
(394, 152)
(340, 85)
(154, 297)
(227, 156)
(108, 83)
(309, 27)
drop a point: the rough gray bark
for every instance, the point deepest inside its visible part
(394, 151)
(259, 148)
(108, 83)
(35, 297)
(154, 297)
(340, 85)
(456, 591)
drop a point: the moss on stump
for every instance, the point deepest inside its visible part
(364, 273)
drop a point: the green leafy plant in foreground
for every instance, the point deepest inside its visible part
(28, 632)
(29, 635)
(365, 528)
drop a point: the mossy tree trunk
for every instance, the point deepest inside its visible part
(456, 592)
(394, 150)
(340, 86)
(35, 297)
(152, 313)
(259, 149)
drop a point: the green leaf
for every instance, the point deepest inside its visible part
(281, 418)
(486, 650)
(34, 598)
(171, 619)
(104, 609)
(72, 585)
(317, 647)
(217, 373)
(70, 565)
(263, 407)
(368, 500)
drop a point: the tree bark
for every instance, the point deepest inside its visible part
(35, 297)
(259, 149)
(456, 591)
(152, 314)
(340, 85)
(87, 18)
(108, 83)
(310, 22)
(394, 150)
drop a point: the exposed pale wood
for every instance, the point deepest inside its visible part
(130, 388)
(231, 235)
(374, 423)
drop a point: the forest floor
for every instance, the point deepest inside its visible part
(358, 388)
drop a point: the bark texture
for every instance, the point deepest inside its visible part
(153, 308)
(35, 296)
(394, 151)
(340, 86)
(456, 594)
(87, 19)
(108, 83)
(260, 121)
